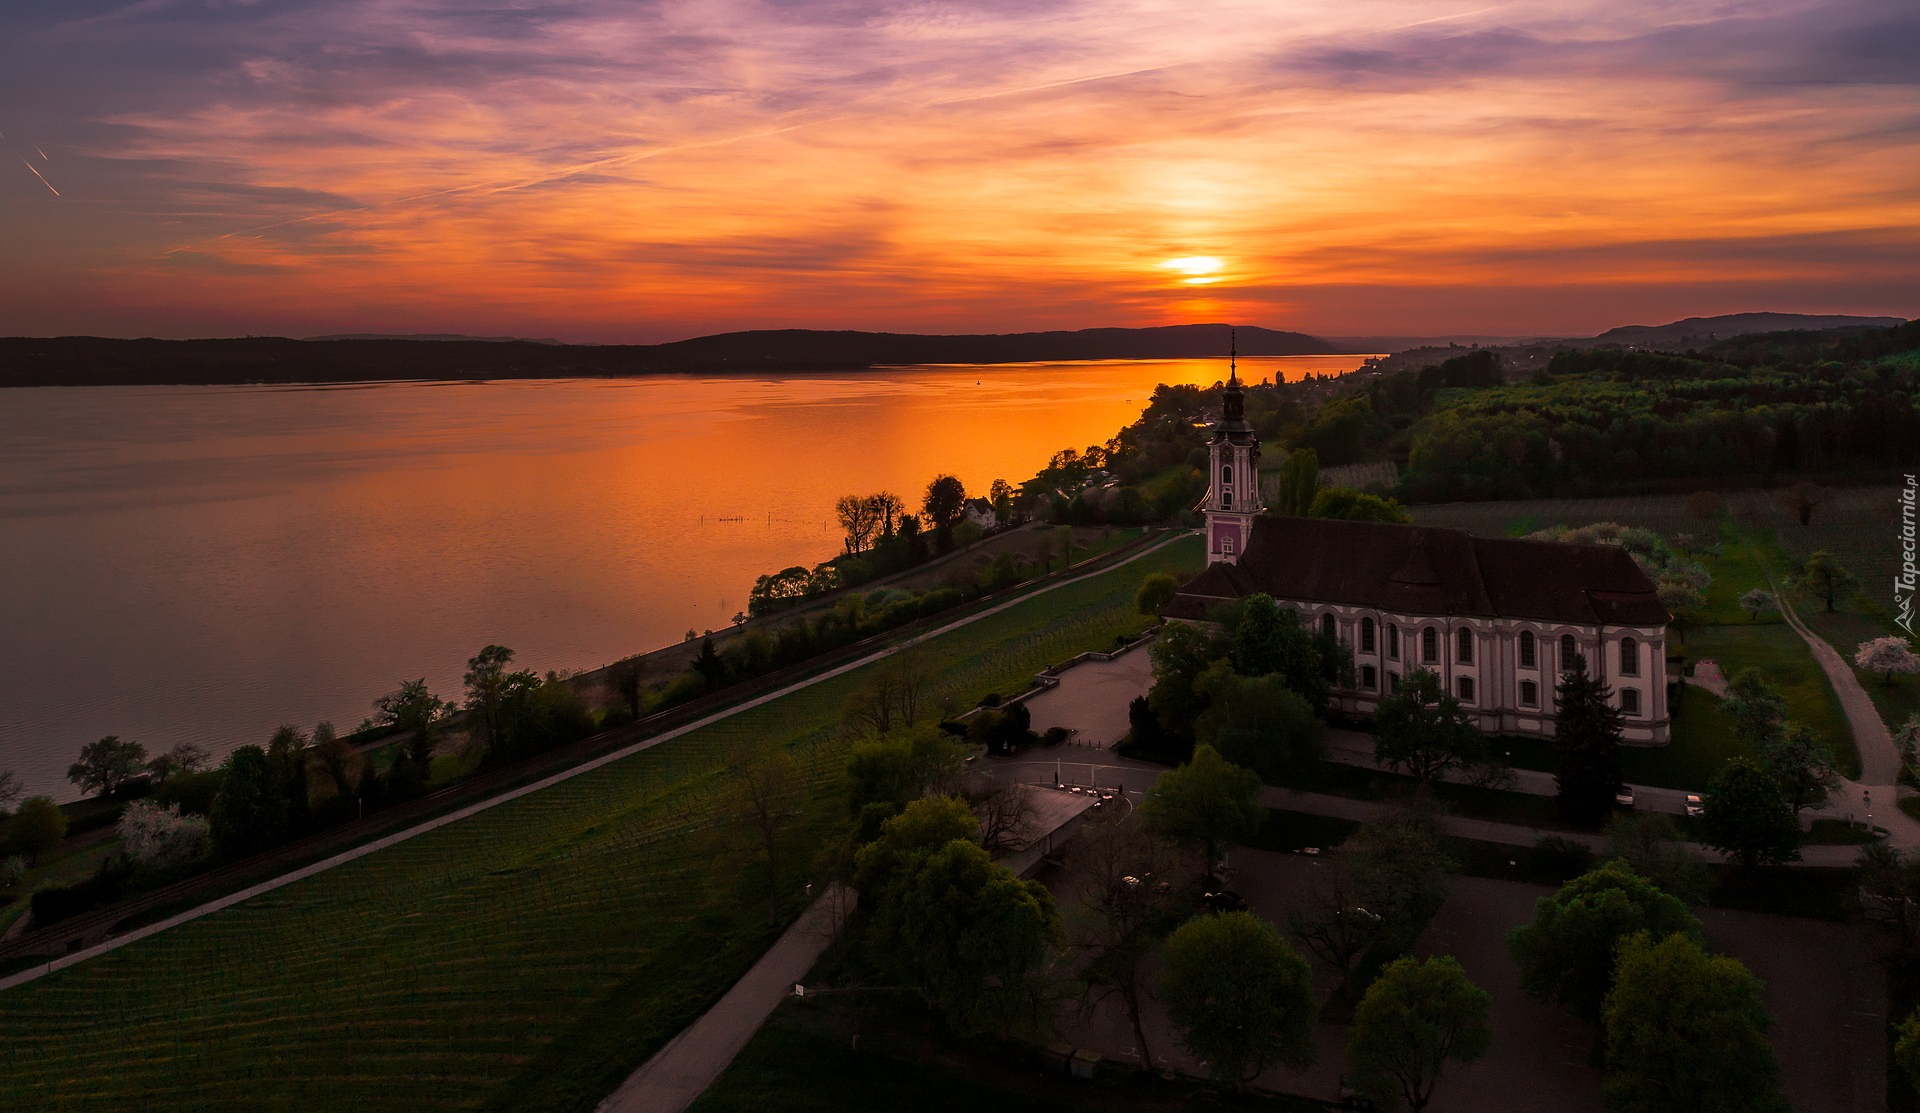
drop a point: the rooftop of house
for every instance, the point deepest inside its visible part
(1427, 570)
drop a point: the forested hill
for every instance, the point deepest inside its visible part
(1167, 342)
(93, 361)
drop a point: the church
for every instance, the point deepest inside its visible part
(1497, 620)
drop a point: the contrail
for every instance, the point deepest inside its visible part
(39, 175)
(41, 153)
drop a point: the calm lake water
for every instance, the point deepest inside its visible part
(201, 564)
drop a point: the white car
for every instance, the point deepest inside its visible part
(1694, 807)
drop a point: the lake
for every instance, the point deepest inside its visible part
(202, 564)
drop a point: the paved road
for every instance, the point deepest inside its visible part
(566, 774)
(681, 1071)
(1085, 766)
(1879, 760)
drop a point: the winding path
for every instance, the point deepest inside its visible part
(1879, 759)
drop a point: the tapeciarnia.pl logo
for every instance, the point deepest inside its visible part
(1903, 584)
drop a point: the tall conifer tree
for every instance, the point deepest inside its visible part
(1587, 734)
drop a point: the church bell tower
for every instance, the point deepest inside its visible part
(1233, 481)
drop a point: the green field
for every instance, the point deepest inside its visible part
(525, 958)
(1750, 553)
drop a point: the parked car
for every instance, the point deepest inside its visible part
(1623, 796)
(1694, 807)
(1225, 900)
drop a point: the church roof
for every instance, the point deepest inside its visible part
(1425, 570)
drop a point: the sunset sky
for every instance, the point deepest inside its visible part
(628, 170)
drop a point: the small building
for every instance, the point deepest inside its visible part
(1498, 620)
(981, 513)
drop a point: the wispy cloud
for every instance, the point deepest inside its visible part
(607, 169)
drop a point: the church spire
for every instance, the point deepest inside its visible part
(1233, 401)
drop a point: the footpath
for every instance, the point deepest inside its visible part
(682, 1070)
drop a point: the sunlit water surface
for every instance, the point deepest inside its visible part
(201, 564)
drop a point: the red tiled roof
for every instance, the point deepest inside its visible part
(1431, 571)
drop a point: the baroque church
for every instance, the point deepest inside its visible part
(1498, 620)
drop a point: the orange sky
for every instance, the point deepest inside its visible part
(609, 170)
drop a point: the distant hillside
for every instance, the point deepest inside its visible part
(442, 336)
(1698, 332)
(94, 361)
(1167, 342)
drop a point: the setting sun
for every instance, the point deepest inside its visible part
(1199, 269)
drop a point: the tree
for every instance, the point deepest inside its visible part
(1006, 815)
(1180, 654)
(250, 812)
(1686, 1030)
(624, 679)
(858, 519)
(183, 758)
(1886, 656)
(1258, 722)
(1156, 591)
(1684, 601)
(1649, 844)
(1350, 505)
(10, 789)
(1422, 729)
(945, 498)
(1129, 892)
(1269, 639)
(1401, 865)
(159, 835)
(1338, 921)
(106, 765)
(417, 712)
(1416, 1017)
(891, 700)
(288, 754)
(486, 684)
(1566, 954)
(1759, 713)
(1824, 578)
(1001, 495)
(921, 827)
(974, 935)
(38, 826)
(1906, 1048)
(1802, 499)
(886, 508)
(337, 761)
(1756, 602)
(1587, 735)
(768, 791)
(1748, 818)
(1299, 482)
(1240, 997)
(709, 665)
(1209, 801)
(1801, 767)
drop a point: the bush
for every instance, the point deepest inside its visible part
(192, 793)
(60, 902)
(12, 869)
(158, 835)
(38, 826)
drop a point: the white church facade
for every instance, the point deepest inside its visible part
(1498, 620)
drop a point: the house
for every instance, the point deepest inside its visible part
(1497, 620)
(981, 513)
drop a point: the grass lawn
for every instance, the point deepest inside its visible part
(526, 958)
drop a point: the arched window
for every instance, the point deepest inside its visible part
(1327, 626)
(1466, 689)
(1368, 677)
(1393, 641)
(1429, 645)
(1226, 474)
(1630, 701)
(1366, 637)
(1465, 637)
(1526, 649)
(1569, 653)
(1629, 657)
(1529, 694)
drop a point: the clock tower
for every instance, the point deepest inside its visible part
(1233, 481)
